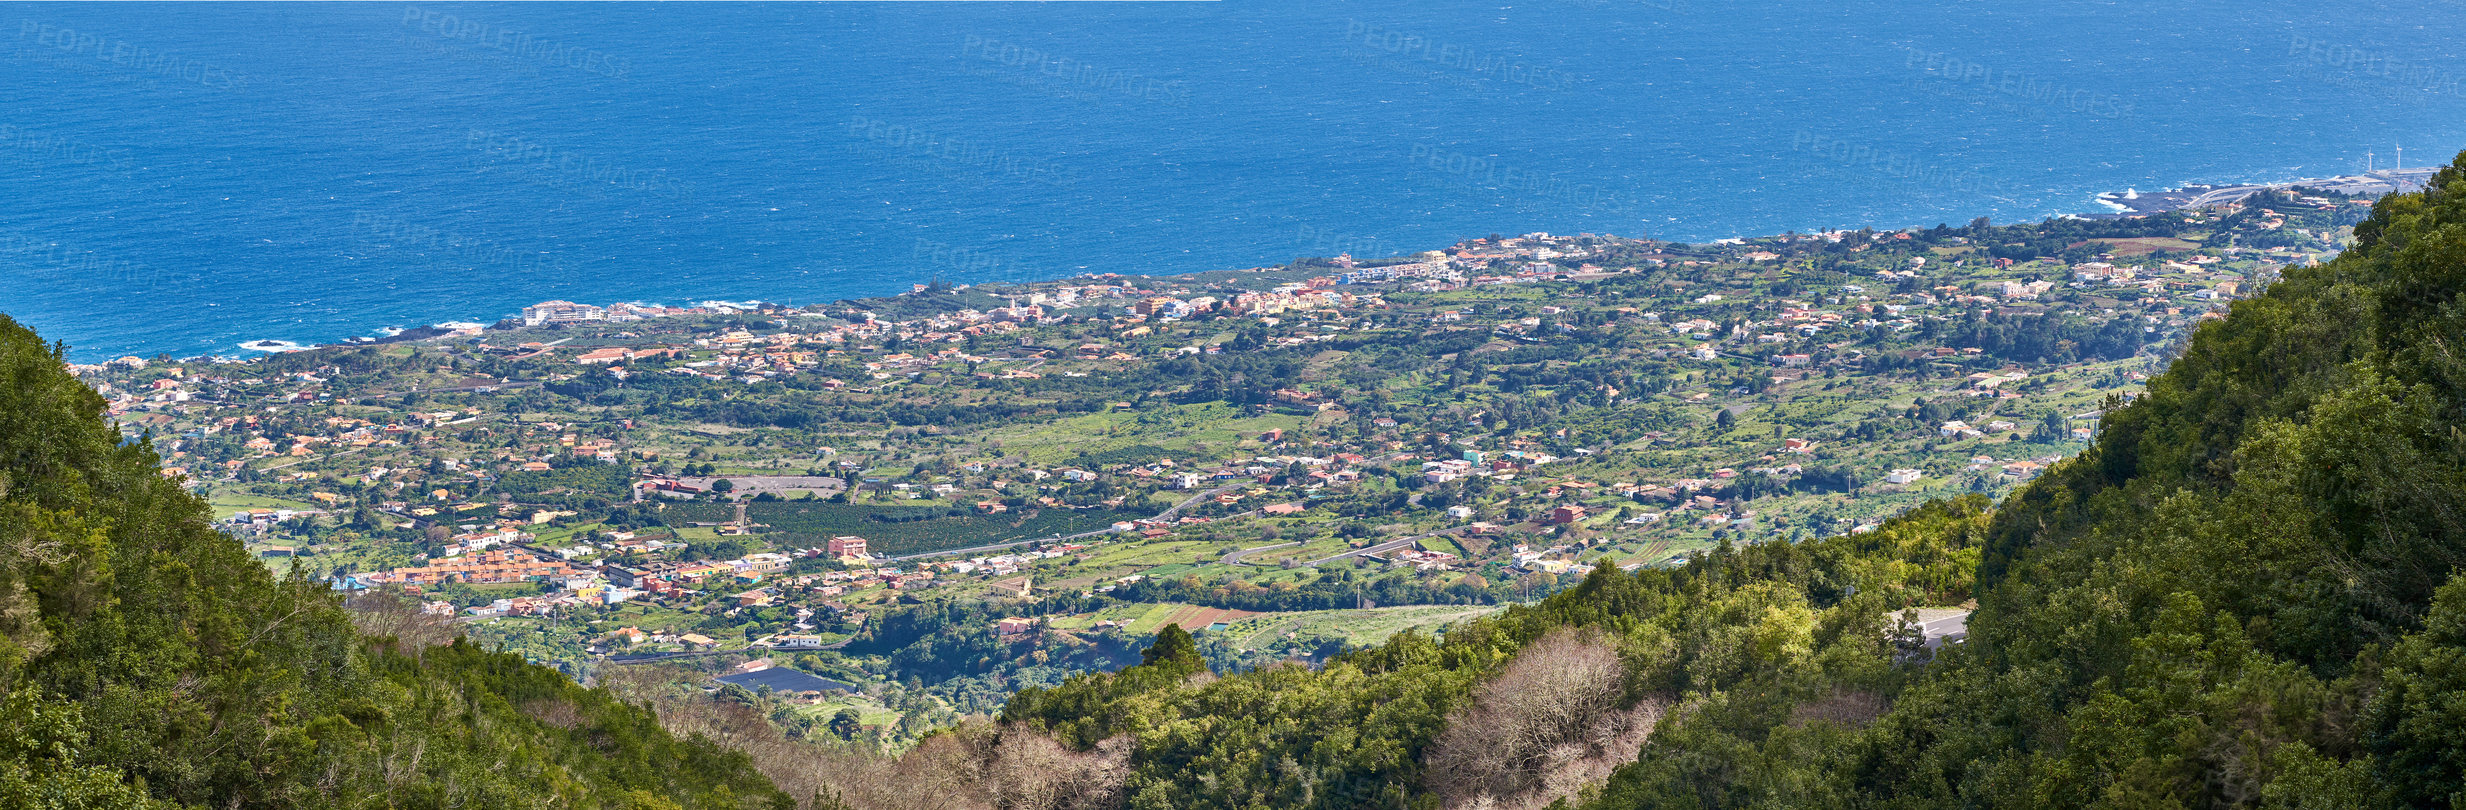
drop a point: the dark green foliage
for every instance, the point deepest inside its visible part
(2040, 338)
(2417, 725)
(582, 478)
(1173, 651)
(947, 638)
(146, 658)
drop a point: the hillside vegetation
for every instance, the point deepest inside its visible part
(146, 660)
(2247, 593)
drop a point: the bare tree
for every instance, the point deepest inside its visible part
(976, 766)
(1554, 712)
(1030, 771)
(390, 613)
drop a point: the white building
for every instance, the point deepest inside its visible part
(549, 312)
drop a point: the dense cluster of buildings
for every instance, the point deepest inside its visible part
(552, 313)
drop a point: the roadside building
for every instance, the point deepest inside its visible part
(554, 312)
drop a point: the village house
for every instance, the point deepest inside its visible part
(490, 567)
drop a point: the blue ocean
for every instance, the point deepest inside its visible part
(185, 178)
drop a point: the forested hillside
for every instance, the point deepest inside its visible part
(146, 660)
(2246, 594)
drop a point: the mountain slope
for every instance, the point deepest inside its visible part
(2241, 594)
(2247, 594)
(146, 659)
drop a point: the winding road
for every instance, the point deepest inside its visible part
(1236, 557)
(1381, 548)
(2221, 196)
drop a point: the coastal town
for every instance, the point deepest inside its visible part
(916, 505)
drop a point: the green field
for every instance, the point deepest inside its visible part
(1207, 428)
(898, 529)
(1357, 627)
(225, 504)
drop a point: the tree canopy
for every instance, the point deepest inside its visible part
(147, 660)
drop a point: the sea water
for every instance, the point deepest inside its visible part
(185, 179)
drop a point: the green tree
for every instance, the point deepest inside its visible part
(1173, 650)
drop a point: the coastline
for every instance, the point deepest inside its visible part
(2131, 202)
(2125, 204)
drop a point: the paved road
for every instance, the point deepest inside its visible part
(2220, 196)
(1176, 509)
(1236, 557)
(543, 349)
(1388, 546)
(1943, 627)
(1367, 551)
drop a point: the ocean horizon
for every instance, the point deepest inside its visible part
(186, 179)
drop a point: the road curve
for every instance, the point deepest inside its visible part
(1237, 557)
(1381, 548)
